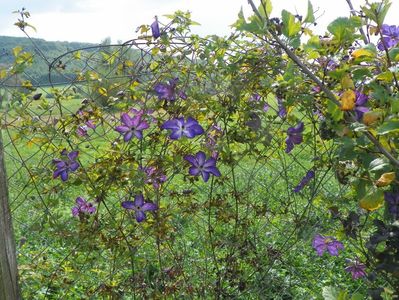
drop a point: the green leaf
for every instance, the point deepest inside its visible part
(343, 29)
(265, 8)
(333, 293)
(378, 164)
(394, 54)
(390, 126)
(310, 15)
(377, 11)
(242, 25)
(290, 27)
(358, 296)
(334, 111)
(373, 200)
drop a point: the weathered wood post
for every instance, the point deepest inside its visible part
(9, 289)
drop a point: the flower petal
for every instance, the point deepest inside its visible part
(127, 120)
(128, 204)
(205, 175)
(140, 216)
(139, 200)
(201, 157)
(149, 206)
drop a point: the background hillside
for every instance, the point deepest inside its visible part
(38, 73)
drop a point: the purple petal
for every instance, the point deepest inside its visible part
(171, 124)
(58, 172)
(122, 129)
(138, 134)
(210, 162)
(193, 171)
(191, 159)
(73, 155)
(64, 175)
(176, 134)
(80, 201)
(214, 171)
(90, 124)
(205, 176)
(140, 216)
(149, 206)
(75, 211)
(155, 29)
(127, 120)
(142, 125)
(201, 157)
(128, 136)
(128, 204)
(139, 200)
(74, 166)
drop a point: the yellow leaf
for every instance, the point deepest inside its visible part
(362, 53)
(76, 55)
(385, 179)
(102, 91)
(348, 99)
(373, 200)
(371, 117)
(3, 73)
(16, 50)
(347, 83)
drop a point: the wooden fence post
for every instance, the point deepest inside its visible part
(9, 289)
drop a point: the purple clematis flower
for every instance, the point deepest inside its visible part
(356, 268)
(305, 180)
(294, 136)
(166, 91)
(392, 200)
(255, 97)
(66, 165)
(390, 36)
(155, 29)
(139, 207)
(82, 130)
(360, 108)
(83, 207)
(132, 126)
(179, 127)
(90, 124)
(326, 243)
(153, 175)
(202, 166)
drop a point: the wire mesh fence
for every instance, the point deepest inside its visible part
(246, 234)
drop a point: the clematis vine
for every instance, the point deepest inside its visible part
(392, 200)
(83, 207)
(132, 126)
(153, 175)
(65, 165)
(326, 243)
(294, 137)
(179, 127)
(155, 29)
(390, 36)
(167, 91)
(202, 166)
(139, 207)
(305, 180)
(356, 268)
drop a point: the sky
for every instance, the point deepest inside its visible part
(94, 20)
